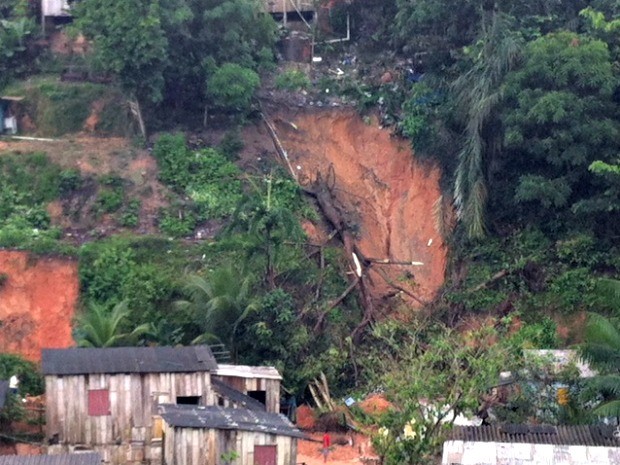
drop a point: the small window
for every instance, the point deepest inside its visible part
(188, 400)
(98, 402)
(260, 396)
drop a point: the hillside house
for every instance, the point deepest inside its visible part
(260, 383)
(219, 436)
(83, 458)
(533, 445)
(106, 400)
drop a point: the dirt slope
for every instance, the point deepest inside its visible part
(38, 297)
(389, 196)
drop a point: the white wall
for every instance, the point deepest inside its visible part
(54, 8)
(497, 453)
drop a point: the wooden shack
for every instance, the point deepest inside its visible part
(260, 383)
(222, 436)
(107, 400)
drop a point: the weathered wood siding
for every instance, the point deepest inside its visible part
(270, 386)
(195, 446)
(127, 433)
(55, 8)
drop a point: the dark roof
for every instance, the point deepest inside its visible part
(213, 417)
(237, 397)
(582, 435)
(4, 389)
(82, 458)
(127, 360)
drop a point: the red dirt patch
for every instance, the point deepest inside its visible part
(37, 303)
(306, 419)
(375, 404)
(390, 195)
(346, 449)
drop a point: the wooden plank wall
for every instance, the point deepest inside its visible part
(194, 446)
(133, 403)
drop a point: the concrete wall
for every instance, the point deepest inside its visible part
(495, 453)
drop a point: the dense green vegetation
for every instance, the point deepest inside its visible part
(517, 101)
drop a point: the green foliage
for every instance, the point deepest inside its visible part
(100, 327)
(59, 108)
(292, 79)
(231, 87)
(215, 185)
(177, 222)
(174, 160)
(129, 41)
(273, 335)
(431, 375)
(231, 144)
(130, 214)
(560, 103)
(220, 302)
(602, 349)
(16, 28)
(30, 379)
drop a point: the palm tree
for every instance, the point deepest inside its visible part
(102, 328)
(478, 95)
(220, 302)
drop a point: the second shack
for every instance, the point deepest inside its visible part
(196, 435)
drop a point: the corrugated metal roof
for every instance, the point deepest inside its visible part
(580, 435)
(4, 389)
(213, 417)
(127, 360)
(237, 397)
(244, 371)
(82, 458)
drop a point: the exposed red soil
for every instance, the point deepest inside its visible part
(390, 196)
(345, 449)
(375, 404)
(306, 418)
(37, 303)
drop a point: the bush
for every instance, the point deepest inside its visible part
(292, 79)
(173, 158)
(232, 87)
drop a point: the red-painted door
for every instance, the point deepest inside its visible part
(265, 455)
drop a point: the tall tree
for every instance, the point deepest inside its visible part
(560, 116)
(130, 42)
(479, 95)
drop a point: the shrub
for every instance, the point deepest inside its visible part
(174, 160)
(292, 79)
(232, 87)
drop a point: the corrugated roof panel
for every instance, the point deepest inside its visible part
(127, 360)
(238, 397)
(213, 417)
(580, 435)
(82, 458)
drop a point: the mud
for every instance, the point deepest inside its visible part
(38, 297)
(389, 196)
